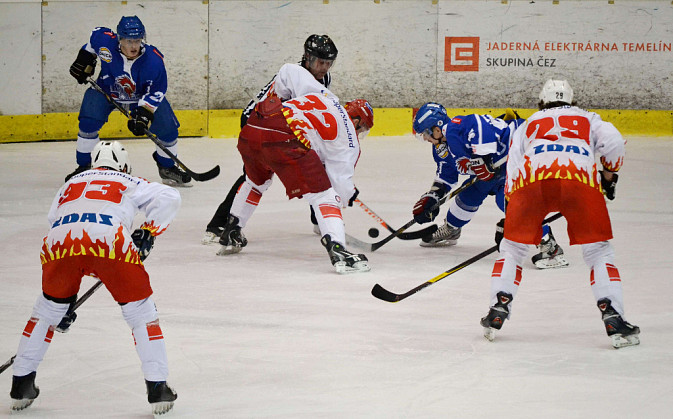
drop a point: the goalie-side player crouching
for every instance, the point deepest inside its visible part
(311, 143)
(91, 218)
(552, 168)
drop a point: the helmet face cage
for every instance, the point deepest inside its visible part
(556, 91)
(429, 115)
(111, 154)
(130, 27)
(320, 46)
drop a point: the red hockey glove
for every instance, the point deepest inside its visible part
(482, 168)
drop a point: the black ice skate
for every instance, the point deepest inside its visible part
(344, 261)
(446, 235)
(77, 171)
(23, 392)
(622, 333)
(160, 396)
(232, 238)
(551, 254)
(173, 176)
(496, 315)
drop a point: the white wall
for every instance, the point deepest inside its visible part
(392, 52)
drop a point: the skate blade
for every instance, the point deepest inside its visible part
(228, 250)
(441, 243)
(210, 238)
(342, 268)
(489, 333)
(161, 408)
(176, 184)
(619, 341)
(18, 405)
(552, 263)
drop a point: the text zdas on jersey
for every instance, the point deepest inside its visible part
(573, 127)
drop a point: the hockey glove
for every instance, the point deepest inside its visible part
(142, 118)
(354, 197)
(144, 241)
(67, 320)
(509, 115)
(499, 232)
(609, 186)
(427, 208)
(481, 166)
(84, 66)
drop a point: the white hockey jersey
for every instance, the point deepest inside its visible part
(92, 214)
(562, 143)
(322, 124)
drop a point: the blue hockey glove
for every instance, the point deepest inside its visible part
(84, 66)
(481, 166)
(427, 208)
(609, 186)
(144, 241)
(67, 320)
(141, 120)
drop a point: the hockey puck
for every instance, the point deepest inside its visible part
(373, 232)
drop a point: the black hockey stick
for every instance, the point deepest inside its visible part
(200, 177)
(385, 295)
(74, 307)
(413, 235)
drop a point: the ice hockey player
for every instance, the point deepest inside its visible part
(473, 145)
(312, 144)
(319, 55)
(133, 74)
(552, 168)
(91, 219)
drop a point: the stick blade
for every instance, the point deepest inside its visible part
(385, 295)
(415, 235)
(203, 177)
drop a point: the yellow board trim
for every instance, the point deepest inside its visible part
(225, 123)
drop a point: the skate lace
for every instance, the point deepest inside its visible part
(446, 232)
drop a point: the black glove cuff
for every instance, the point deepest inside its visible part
(441, 189)
(85, 57)
(143, 112)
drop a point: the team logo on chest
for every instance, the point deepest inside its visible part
(125, 86)
(105, 54)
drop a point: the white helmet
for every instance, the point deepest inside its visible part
(556, 91)
(111, 154)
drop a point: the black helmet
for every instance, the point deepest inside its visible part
(320, 46)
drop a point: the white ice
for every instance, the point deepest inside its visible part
(274, 332)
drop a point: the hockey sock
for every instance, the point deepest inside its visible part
(328, 214)
(86, 141)
(246, 200)
(37, 335)
(507, 270)
(459, 213)
(605, 279)
(142, 318)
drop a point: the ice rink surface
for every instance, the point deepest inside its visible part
(274, 332)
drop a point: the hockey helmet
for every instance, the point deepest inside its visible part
(556, 91)
(130, 27)
(430, 115)
(111, 154)
(360, 108)
(320, 46)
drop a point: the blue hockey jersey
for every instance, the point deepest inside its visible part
(140, 81)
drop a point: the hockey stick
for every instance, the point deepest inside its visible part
(74, 307)
(403, 236)
(385, 295)
(200, 177)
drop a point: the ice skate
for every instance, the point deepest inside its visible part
(496, 315)
(212, 235)
(160, 396)
(173, 176)
(446, 235)
(232, 238)
(23, 392)
(551, 254)
(77, 171)
(344, 261)
(622, 333)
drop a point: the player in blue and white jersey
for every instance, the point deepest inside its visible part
(477, 146)
(133, 74)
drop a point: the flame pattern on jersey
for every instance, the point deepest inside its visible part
(299, 127)
(155, 230)
(86, 246)
(527, 175)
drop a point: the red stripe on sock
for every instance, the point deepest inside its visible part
(50, 334)
(613, 272)
(329, 211)
(28, 330)
(497, 268)
(253, 197)
(517, 278)
(154, 331)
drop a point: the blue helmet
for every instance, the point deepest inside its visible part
(130, 27)
(428, 116)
